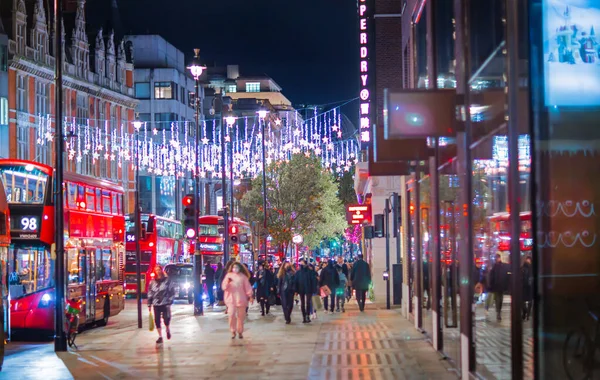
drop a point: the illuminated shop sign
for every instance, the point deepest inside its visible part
(358, 214)
(364, 15)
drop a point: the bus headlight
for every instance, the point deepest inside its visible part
(186, 286)
(46, 300)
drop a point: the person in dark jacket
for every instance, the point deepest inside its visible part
(527, 280)
(306, 286)
(331, 279)
(361, 279)
(209, 273)
(218, 277)
(264, 287)
(498, 283)
(161, 293)
(285, 281)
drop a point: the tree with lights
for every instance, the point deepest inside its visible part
(301, 199)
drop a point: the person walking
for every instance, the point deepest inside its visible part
(286, 288)
(238, 293)
(498, 284)
(340, 296)
(161, 293)
(219, 278)
(331, 280)
(361, 279)
(306, 286)
(348, 283)
(209, 274)
(264, 287)
(527, 281)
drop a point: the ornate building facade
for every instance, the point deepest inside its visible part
(98, 87)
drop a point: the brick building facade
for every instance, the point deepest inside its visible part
(98, 84)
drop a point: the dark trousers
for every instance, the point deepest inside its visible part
(264, 304)
(361, 297)
(211, 292)
(287, 304)
(163, 311)
(498, 297)
(305, 304)
(326, 301)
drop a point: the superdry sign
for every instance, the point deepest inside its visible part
(358, 214)
(364, 35)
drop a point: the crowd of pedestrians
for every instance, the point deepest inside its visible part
(330, 284)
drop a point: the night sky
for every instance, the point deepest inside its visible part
(309, 47)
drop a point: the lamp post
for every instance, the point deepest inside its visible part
(196, 70)
(138, 220)
(262, 114)
(60, 339)
(230, 120)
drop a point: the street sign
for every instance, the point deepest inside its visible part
(358, 214)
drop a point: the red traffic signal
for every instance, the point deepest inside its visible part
(233, 229)
(188, 200)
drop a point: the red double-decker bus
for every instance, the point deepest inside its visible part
(94, 245)
(211, 241)
(161, 243)
(4, 245)
(500, 234)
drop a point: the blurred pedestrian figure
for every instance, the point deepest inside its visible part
(316, 303)
(161, 293)
(286, 290)
(498, 284)
(209, 274)
(219, 278)
(306, 286)
(238, 293)
(340, 295)
(361, 279)
(348, 283)
(264, 287)
(329, 282)
(527, 278)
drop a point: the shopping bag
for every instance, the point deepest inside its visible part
(317, 302)
(151, 321)
(325, 291)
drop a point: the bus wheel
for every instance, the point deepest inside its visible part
(104, 321)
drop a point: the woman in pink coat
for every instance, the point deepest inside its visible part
(237, 293)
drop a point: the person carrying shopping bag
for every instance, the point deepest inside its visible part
(237, 293)
(161, 293)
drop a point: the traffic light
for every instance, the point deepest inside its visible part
(233, 233)
(190, 216)
(412, 209)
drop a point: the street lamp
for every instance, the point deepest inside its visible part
(262, 114)
(137, 125)
(196, 70)
(230, 120)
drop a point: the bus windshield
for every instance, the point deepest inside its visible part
(33, 270)
(23, 184)
(130, 225)
(209, 230)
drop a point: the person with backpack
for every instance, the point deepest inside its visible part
(287, 289)
(341, 290)
(329, 282)
(361, 279)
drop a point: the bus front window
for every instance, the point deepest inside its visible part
(34, 269)
(23, 184)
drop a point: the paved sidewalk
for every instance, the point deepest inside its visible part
(378, 344)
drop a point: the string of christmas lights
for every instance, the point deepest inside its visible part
(171, 151)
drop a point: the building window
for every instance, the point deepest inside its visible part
(233, 88)
(42, 153)
(144, 117)
(163, 90)
(21, 93)
(183, 91)
(3, 111)
(83, 110)
(42, 105)
(142, 90)
(253, 87)
(22, 142)
(163, 120)
(3, 58)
